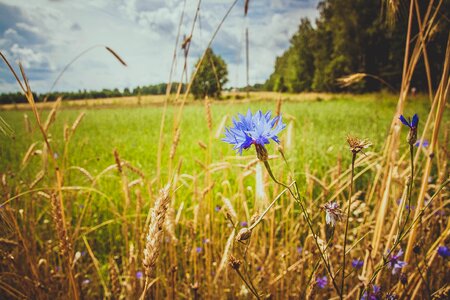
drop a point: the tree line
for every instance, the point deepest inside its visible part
(156, 89)
(355, 36)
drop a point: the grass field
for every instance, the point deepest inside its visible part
(318, 136)
(108, 198)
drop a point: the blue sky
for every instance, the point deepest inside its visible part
(46, 34)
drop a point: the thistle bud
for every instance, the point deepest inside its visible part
(261, 152)
(243, 234)
(234, 263)
(412, 136)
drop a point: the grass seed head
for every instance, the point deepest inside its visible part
(356, 144)
(155, 231)
(234, 263)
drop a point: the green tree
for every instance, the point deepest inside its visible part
(211, 76)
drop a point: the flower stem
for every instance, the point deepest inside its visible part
(346, 224)
(296, 196)
(410, 185)
(247, 284)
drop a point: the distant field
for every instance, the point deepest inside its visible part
(159, 99)
(320, 124)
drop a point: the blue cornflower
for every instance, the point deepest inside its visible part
(257, 129)
(412, 135)
(244, 224)
(322, 282)
(424, 143)
(199, 249)
(357, 264)
(139, 274)
(443, 251)
(410, 124)
(395, 263)
(299, 250)
(374, 295)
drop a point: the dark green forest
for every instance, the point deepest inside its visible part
(357, 36)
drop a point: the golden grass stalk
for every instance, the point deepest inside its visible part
(352, 79)
(52, 115)
(77, 122)
(37, 179)
(28, 154)
(65, 245)
(168, 90)
(155, 231)
(5, 128)
(169, 225)
(114, 278)
(225, 255)
(27, 123)
(175, 142)
(116, 56)
(229, 208)
(208, 113)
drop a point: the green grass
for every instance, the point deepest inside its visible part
(320, 128)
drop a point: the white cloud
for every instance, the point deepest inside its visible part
(46, 35)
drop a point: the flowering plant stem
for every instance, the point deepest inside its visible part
(249, 285)
(341, 295)
(296, 195)
(410, 183)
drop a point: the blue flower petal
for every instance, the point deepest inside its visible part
(415, 120)
(253, 129)
(404, 121)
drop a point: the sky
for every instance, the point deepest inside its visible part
(45, 35)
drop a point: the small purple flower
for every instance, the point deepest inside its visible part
(357, 264)
(244, 224)
(217, 208)
(299, 250)
(254, 129)
(443, 251)
(395, 263)
(258, 268)
(407, 207)
(139, 274)
(424, 143)
(205, 241)
(374, 295)
(199, 249)
(322, 282)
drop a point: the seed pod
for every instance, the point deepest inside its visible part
(243, 234)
